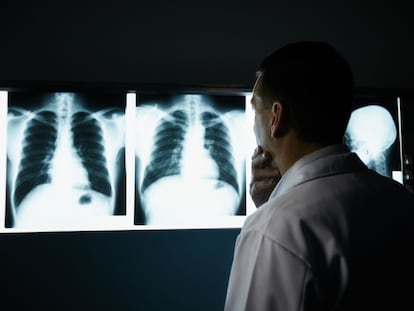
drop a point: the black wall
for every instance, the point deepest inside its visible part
(176, 270)
(183, 41)
(167, 42)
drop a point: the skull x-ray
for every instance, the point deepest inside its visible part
(65, 163)
(190, 159)
(372, 134)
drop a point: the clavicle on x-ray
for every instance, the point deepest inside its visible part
(190, 159)
(62, 162)
(370, 133)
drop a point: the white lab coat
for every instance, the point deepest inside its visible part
(328, 239)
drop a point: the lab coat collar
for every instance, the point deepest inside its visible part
(331, 160)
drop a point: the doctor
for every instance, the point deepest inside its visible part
(329, 233)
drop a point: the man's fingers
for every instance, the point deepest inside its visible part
(261, 190)
(257, 151)
(261, 160)
(266, 173)
(261, 185)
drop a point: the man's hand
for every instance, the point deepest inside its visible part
(264, 177)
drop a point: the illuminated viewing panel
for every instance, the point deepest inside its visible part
(97, 161)
(65, 163)
(190, 159)
(372, 133)
(101, 161)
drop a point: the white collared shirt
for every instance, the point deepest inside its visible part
(293, 176)
(293, 253)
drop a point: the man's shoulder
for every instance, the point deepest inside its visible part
(281, 221)
(320, 211)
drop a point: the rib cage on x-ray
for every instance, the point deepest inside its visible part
(89, 143)
(168, 147)
(189, 170)
(63, 160)
(217, 142)
(39, 145)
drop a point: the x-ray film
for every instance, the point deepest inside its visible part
(190, 160)
(65, 160)
(372, 133)
(76, 161)
(142, 161)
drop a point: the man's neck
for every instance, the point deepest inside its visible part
(290, 149)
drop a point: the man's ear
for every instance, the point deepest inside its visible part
(279, 125)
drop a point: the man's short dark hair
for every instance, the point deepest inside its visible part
(314, 84)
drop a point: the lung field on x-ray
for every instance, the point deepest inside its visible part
(89, 143)
(372, 134)
(39, 144)
(218, 143)
(190, 158)
(167, 150)
(63, 158)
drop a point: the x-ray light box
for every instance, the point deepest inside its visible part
(85, 161)
(74, 161)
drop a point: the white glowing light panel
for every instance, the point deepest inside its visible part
(87, 161)
(190, 160)
(372, 133)
(64, 160)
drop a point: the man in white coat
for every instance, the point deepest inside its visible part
(329, 233)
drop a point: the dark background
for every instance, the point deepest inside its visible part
(169, 42)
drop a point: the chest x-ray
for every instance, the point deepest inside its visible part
(65, 164)
(190, 159)
(372, 133)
